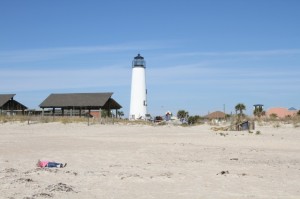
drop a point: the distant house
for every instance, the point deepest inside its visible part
(216, 115)
(281, 112)
(292, 109)
(79, 103)
(9, 106)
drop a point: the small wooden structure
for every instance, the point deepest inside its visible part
(9, 106)
(245, 125)
(79, 103)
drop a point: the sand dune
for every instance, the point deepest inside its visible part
(169, 162)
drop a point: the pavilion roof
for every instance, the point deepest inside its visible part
(80, 100)
(5, 98)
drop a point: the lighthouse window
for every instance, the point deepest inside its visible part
(138, 63)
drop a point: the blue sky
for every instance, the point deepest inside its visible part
(201, 55)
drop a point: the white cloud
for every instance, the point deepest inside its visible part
(29, 80)
(191, 76)
(202, 71)
(30, 55)
(241, 53)
(198, 78)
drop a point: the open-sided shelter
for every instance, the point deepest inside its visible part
(80, 102)
(10, 106)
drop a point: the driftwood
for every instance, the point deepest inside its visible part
(225, 128)
(235, 127)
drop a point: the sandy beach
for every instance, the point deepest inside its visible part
(139, 161)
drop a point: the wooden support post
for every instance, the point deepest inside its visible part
(100, 116)
(89, 117)
(11, 106)
(53, 113)
(28, 117)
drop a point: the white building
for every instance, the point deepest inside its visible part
(138, 101)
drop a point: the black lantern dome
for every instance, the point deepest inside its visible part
(139, 61)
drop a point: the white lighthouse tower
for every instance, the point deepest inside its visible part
(138, 101)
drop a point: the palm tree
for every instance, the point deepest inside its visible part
(258, 112)
(182, 114)
(240, 107)
(120, 113)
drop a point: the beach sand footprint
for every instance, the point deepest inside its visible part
(60, 187)
(43, 195)
(223, 173)
(124, 176)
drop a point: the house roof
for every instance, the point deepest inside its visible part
(5, 97)
(215, 115)
(292, 109)
(281, 112)
(80, 100)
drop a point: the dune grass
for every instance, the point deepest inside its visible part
(69, 119)
(276, 123)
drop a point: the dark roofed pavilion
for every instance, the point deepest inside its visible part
(7, 103)
(80, 101)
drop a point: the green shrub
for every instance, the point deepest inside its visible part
(194, 119)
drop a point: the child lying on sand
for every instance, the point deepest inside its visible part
(50, 164)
